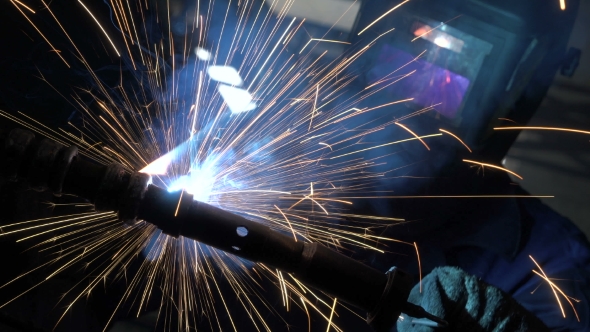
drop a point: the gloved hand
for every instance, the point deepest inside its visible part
(468, 304)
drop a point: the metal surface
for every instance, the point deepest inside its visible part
(49, 165)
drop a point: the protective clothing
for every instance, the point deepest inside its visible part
(494, 240)
(468, 304)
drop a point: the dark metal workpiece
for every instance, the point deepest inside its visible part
(41, 166)
(343, 277)
(15, 145)
(111, 188)
(132, 196)
(47, 164)
(383, 296)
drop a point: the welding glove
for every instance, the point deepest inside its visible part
(467, 304)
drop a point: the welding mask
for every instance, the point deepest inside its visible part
(467, 66)
(478, 64)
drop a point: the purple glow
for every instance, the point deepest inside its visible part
(429, 85)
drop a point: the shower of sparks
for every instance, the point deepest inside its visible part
(545, 128)
(240, 136)
(492, 166)
(555, 289)
(268, 136)
(457, 138)
(323, 40)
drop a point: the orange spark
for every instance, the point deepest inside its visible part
(506, 119)
(100, 26)
(545, 128)
(27, 7)
(493, 166)
(288, 222)
(414, 134)
(386, 144)
(419, 265)
(382, 16)
(323, 40)
(307, 312)
(331, 315)
(458, 139)
(562, 4)
(315, 103)
(389, 104)
(179, 201)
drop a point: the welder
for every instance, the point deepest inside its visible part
(474, 251)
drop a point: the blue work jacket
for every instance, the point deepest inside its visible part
(495, 239)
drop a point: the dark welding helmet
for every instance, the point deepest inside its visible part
(481, 63)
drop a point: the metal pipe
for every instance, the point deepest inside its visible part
(49, 165)
(178, 214)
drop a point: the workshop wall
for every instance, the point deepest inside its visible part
(555, 163)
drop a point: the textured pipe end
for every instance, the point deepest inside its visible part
(43, 164)
(60, 169)
(16, 144)
(112, 185)
(132, 196)
(46, 164)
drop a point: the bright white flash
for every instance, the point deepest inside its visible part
(238, 100)
(442, 42)
(160, 165)
(225, 74)
(200, 178)
(202, 54)
(199, 182)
